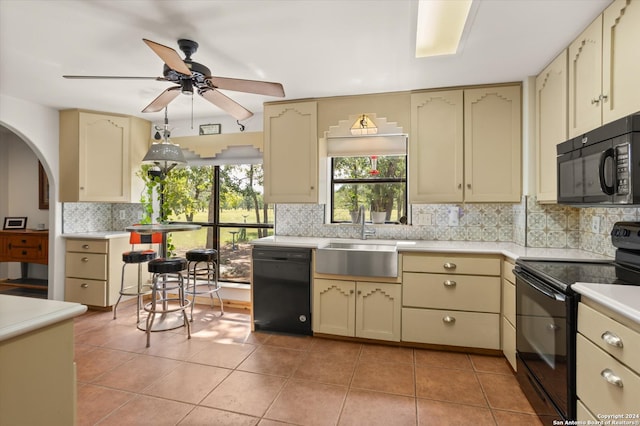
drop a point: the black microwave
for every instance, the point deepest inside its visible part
(601, 167)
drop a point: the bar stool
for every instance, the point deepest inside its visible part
(167, 276)
(202, 264)
(137, 257)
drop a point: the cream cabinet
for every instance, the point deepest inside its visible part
(508, 309)
(603, 68)
(357, 309)
(291, 158)
(100, 155)
(492, 144)
(451, 300)
(436, 154)
(551, 125)
(607, 364)
(465, 145)
(93, 270)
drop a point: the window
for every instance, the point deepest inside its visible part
(227, 201)
(379, 183)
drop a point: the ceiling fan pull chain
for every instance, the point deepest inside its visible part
(241, 125)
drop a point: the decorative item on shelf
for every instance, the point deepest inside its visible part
(363, 126)
(11, 223)
(210, 129)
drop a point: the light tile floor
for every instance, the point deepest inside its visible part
(227, 375)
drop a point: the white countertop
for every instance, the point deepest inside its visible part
(622, 299)
(99, 235)
(510, 250)
(20, 315)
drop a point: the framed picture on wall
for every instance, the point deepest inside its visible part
(43, 188)
(14, 223)
(210, 129)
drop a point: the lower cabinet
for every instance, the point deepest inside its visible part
(451, 299)
(93, 270)
(607, 365)
(509, 313)
(357, 309)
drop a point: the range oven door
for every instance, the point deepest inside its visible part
(545, 346)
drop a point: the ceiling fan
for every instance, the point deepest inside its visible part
(191, 76)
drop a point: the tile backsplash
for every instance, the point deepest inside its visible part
(527, 223)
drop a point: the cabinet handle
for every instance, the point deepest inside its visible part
(24, 241)
(610, 377)
(469, 185)
(84, 285)
(604, 98)
(359, 291)
(611, 339)
(449, 283)
(312, 188)
(449, 319)
(24, 252)
(450, 265)
(85, 259)
(459, 186)
(350, 291)
(85, 246)
(595, 101)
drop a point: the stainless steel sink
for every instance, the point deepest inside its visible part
(361, 259)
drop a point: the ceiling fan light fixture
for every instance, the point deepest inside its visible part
(165, 154)
(363, 126)
(186, 86)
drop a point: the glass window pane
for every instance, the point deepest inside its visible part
(241, 189)
(374, 167)
(189, 193)
(235, 252)
(386, 197)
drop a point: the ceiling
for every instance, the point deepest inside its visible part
(315, 48)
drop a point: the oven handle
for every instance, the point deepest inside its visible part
(540, 286)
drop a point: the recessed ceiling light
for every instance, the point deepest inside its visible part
(440, 26)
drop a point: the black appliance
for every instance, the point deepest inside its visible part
(546, 319)
(281, 289)
(601, 167)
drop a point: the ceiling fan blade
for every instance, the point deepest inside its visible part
(163, 99)
(111, 77)
(236, 110)
(248, 86)
(169, 56)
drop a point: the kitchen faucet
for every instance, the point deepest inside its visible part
(364, 233)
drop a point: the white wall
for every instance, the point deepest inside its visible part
(37, 126)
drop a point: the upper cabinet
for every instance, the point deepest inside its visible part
(436, 147)
(100, 155)
(465, 145)
(492, 144)
(551, 125)
(603, 69)
(291, 158)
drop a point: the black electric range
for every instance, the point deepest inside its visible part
(546, 319)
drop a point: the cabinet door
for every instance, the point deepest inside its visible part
(291, 153)
(620, 60)
(436, 147)
(551, 125)
(104, 158)
(493, 144)
(378, 311)
(334, 307)
(585, 80)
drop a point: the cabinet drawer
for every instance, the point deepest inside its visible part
(87, 246)
(459, 292)
(24, 254)
(87, 292)
(509, 301)
(507, 271)
(468, 329)
(25, 241)
(601, 396)
(450, 264)
(583, 414)
(598, 327)
(86, 265)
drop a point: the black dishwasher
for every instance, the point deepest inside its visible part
(282, 289)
